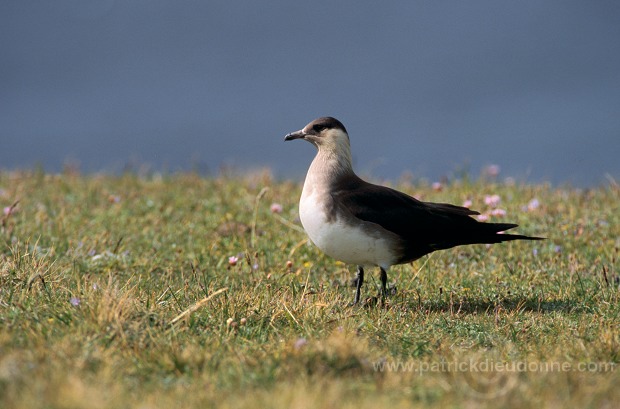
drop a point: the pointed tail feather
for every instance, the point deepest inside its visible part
(510, 237)
(497, 233)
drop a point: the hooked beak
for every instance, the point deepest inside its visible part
(295, 135)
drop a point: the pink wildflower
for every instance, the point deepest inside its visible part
(533, 205)
(498, 212)
(467, 203)
(232, 260)
(276, 208)
(491, 170)
(437, 186)
(492, 200)
(75, 301)
(483, 217)
(300, 343)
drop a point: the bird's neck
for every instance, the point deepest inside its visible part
(327, 168)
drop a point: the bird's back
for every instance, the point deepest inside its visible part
(421, 227)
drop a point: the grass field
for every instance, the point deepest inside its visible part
(179, 291)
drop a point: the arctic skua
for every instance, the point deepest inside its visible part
(364, 224)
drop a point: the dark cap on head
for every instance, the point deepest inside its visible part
(313, 129)
(325, 122)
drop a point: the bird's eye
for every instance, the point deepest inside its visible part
(318, 128)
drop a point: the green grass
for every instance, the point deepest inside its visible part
(94, 270)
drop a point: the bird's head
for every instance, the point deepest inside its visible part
(326, 133)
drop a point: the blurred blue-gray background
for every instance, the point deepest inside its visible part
(426, 87)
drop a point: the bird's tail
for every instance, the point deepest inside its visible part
(494, 233)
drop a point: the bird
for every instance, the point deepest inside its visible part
(369, 225)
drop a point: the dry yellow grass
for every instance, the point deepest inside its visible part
(109, 298)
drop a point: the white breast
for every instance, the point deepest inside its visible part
(360, 244)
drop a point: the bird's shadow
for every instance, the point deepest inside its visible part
(481, 305)
(473, 304)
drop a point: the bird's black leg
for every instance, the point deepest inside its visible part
(383, 284)
(359, 282)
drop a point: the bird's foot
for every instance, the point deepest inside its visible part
(388, 291)
(371, 302)
(384, 293)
